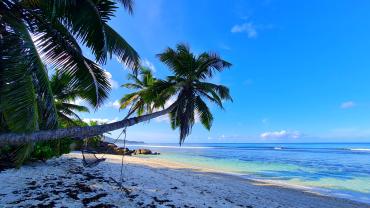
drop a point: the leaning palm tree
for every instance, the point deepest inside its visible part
(50, 32)
(141, 83)
(188, 85)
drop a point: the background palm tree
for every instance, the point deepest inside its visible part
(64, 97)
(188, 85)
(35, 33)
(137, 101)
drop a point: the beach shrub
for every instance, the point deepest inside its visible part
(49, 149)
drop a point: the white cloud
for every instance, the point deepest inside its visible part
(148, 64)
(114, 84)
(100, 120)
(283, 134)
(248, 28)
(348, 104)
(114, 104)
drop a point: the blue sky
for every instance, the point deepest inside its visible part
(301, 69)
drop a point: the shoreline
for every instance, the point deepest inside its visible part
(277, 183)
(244, 177)
(148, 182)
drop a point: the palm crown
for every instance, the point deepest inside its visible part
(188, 85)
(140, 82)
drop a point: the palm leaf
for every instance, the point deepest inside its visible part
(204, 113)
(128, 5)
(118, 46)
(128, 99)
(17, 94)
(208, 63)
(61, 50)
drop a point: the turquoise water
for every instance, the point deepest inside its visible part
(335, 169)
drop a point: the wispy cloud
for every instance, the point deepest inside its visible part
(347, 104)
(148, 64)
(114, 104)
(249, 28)
(283, 134)
(114, 84)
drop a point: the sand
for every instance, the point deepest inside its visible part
(148, 182)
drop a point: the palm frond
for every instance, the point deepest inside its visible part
(170, 58)
(118, 46)
(222, 91)
(204, 113)
(128, 99)
(75, 107)
(17, 94)
(89, 29)
(128, 5)
(61, 50)
(208, 63)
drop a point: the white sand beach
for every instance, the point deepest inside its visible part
(148, 182)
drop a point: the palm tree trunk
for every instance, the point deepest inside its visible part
(78, 132)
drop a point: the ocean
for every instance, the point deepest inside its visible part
(338, 169)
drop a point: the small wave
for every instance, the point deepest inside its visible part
(360, 149)
(278, 148)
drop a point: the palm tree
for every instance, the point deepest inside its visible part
(64, 95)
(188, 84)
(36, 33)
(141, 82)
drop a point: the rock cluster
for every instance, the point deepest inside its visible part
(144, 152)
(110, 148)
